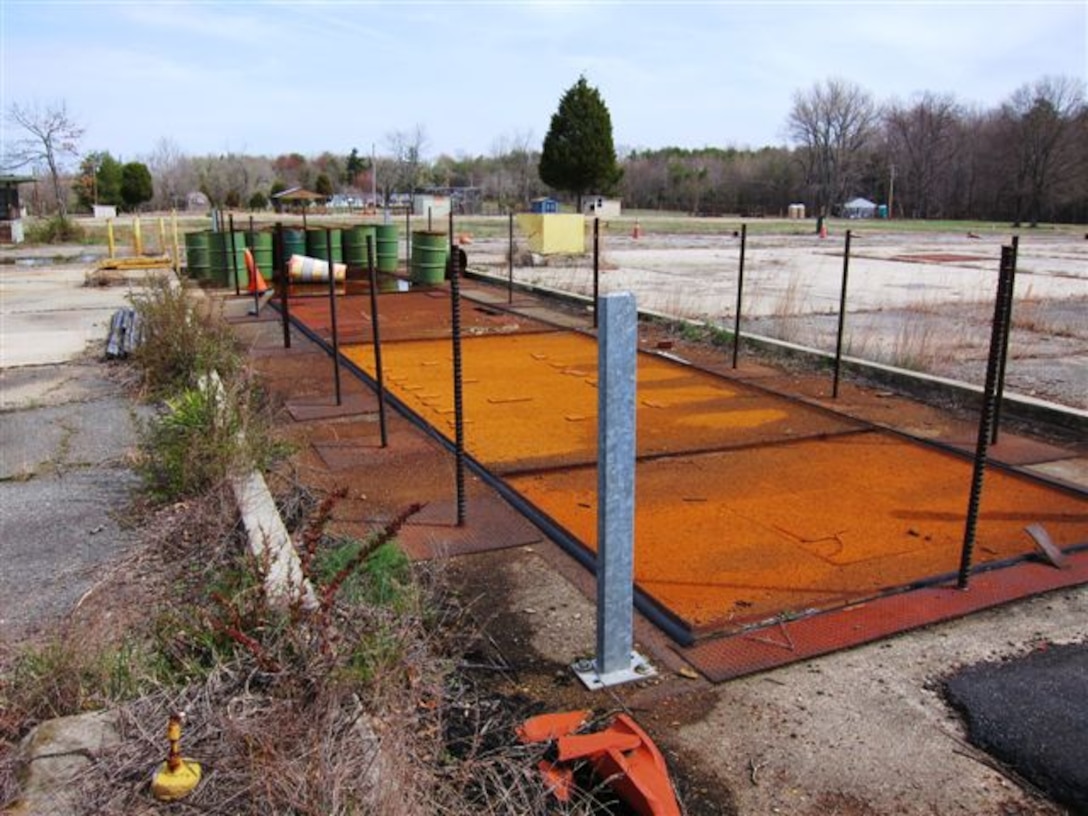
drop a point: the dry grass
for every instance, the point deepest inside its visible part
(359, 707)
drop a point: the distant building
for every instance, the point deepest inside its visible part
(859, 208)
(603, 207)
(437, 206)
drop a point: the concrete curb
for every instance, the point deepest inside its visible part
(271, 544)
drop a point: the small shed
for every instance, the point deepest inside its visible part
(11, 224)
(603, 207)
(544, 205)
(298, 197)
(859, 208)
(438, 206)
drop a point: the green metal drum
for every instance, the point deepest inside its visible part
(260, 244)
(354, 241)
(386, 235)
(294, 243)
(196, 255)
(429, 253)
(317, 244)
(222, 266)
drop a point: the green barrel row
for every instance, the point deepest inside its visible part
(208, 253)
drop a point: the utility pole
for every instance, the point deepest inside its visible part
(891, 194)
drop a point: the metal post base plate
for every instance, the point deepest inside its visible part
(586, 670)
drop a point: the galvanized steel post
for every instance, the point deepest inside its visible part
(617, 346)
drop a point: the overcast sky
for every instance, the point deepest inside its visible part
(271, 78)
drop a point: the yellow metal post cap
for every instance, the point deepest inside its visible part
(169, 785)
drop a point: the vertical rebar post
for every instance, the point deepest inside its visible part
(985, 425)
(740, 293)
(408, 237)
(376, 336)
(279, 264)
(457, 269)
(1006, 318)
(510, 257)
(596, 268)
(234, 257)
(332, 314)
(842, 316)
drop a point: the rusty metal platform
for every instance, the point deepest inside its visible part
(759, 518)
(490, 524)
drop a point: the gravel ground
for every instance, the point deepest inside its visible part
(921, 302)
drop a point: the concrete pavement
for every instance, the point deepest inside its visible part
(66, 434)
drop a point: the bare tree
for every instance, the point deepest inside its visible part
(921, 147)
(407, 150)
(833, 123)
(515, 168)
(1041, 119)
(52, 135)
(172, 172)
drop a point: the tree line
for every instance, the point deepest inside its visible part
(1024, 160)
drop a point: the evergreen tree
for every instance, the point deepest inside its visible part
(136, 184)
(579, 156)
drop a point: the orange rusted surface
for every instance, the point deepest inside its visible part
(415, 314)
(749, 506)
(531, 401)
(726, 540)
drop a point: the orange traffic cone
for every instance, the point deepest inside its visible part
(636, 233)
(257, 284)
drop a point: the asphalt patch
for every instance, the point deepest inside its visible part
(1030, 714)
